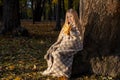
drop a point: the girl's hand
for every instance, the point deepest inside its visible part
(71, 24)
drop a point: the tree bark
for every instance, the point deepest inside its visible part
(11, 18)
(101, 53)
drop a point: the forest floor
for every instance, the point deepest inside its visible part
(21, 58)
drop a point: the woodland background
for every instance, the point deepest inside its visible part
(29, 27)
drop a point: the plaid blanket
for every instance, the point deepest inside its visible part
(60, 55)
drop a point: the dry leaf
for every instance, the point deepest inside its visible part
(17, 78)
(34, 67)
(12, 67)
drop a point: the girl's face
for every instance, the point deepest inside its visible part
(70, 18)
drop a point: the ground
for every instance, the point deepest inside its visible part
(21, 58)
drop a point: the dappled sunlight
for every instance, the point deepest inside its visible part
(22, 57)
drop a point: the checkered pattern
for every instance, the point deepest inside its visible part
(60, 55)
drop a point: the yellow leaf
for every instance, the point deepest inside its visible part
(17, 78)
(66, 29)
(21, 62)
(10, 77)
(12, 67)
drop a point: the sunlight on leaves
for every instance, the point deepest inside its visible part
(22, 57)
(17, 78)
(12, 67)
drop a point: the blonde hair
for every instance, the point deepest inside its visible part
(77, 23)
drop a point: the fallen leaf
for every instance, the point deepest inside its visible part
(34, 67)
(12, 67)
(17, 78)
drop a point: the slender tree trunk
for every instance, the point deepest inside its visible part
(37, 11)
(1, 12)
(54, 12)
(63, 9)
(1, 15)
(50, 11)
(70, 4)
(39, 6)
(101, 53)
(44, 14)
(58, 15)
(11, 18)
(33, 7)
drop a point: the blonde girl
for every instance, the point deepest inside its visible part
(60, 55)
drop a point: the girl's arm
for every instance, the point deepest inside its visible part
(56, 44)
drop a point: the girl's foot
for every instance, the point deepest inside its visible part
(45, 73)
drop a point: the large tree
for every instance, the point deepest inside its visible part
(101, 53)
(11, 18)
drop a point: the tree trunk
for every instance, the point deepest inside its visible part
(50, 11)
(54, 12)
(1, 15)
(1, 12)
(63, 9)
(33, 6)
(38, 11)
(70, 4)
(11, 18)
(58, 21)
(101, 53)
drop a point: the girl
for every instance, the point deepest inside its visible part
(60, 55)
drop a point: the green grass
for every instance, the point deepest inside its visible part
(21, 58)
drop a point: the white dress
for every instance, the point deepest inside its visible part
(60, 55)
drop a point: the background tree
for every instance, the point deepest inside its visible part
(54, 9)
(101, 53)
(70, 4)
(11, 18)
(58, 19)
(1, 10)
(63, 9)
(50, 10)
(38, 11)
(23, 9)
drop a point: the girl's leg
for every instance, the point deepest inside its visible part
(49, 63)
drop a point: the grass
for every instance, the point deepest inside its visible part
(21, 58)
